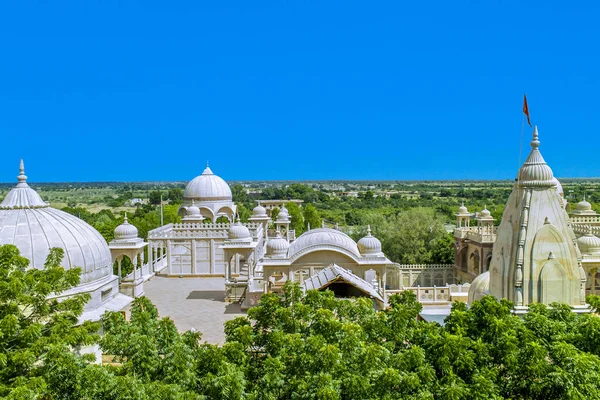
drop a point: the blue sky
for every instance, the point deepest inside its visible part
(137, 91)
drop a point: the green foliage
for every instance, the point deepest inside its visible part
(154, 197)
(311, 217)
(37, 331)
(290, 346)
(296, 217)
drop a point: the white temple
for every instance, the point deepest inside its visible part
(535, 256)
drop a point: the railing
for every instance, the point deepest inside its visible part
(585, 219)
(476, 233)
(437, 294)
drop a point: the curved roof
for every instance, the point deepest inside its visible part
(207, 187)
(479, 287)
(34, 227)
(323, 237)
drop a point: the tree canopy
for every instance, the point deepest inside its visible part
(291, 346)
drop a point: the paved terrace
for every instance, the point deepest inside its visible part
(197, 303)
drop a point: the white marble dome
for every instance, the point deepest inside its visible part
(589, 243)
(485, 213)
(324, 237)
(463, 210)
(238, 232)
(479, 287)
(369, 245)
(207, 187)
(277, 246)
(27, 222)
(283, 215)
(583, 206)
(535, 172)
(125, 231)
(259, 211)
(193, 210)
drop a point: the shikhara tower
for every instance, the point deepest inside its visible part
(535, 258)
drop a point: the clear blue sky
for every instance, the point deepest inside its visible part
(135, 91)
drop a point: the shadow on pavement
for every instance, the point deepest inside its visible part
(214, 295)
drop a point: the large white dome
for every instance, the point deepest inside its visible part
(34, 227)
(324, 237)
(207, 187)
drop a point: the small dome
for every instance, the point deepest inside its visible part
(589, 243)
(193, 210)
(369, 245)
(259, 211)
(485, 213)
(207, 187)
(283, 215)
(535, 172)
(462, 211)
(277, 246)
(238, 232)
(125, 231)
(583, 206)
(479, 287)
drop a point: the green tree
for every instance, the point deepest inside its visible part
(154, 197)
(311, 217)
(39, 331)
(175, 195)
(296, 217)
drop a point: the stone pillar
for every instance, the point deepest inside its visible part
(119, 268)
(193, 266)
(169, 264)
(150, 249)
(211, 255)
(134, 261)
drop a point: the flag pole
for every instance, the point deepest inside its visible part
(521, 147)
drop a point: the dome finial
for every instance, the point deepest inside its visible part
(206, 163)
(22, 177)
(369, 230)
(125, 219)
(535, 142)
(322, 224)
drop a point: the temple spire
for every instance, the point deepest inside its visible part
(535, 142)
(22, 177)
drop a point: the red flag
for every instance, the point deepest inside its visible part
(526, 109)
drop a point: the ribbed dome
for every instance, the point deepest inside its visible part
(22, 196)
(369, 245)
(535, 172)
(259, 211)
(238, 232)
(479, 287)
(589, 243)
(485, 213)
(462, 211)
(277, 246)
(283, 215)
(207, 187)
(125, 231)
(193, 210)
(583, 206)
(324, 237)
(34, 227)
